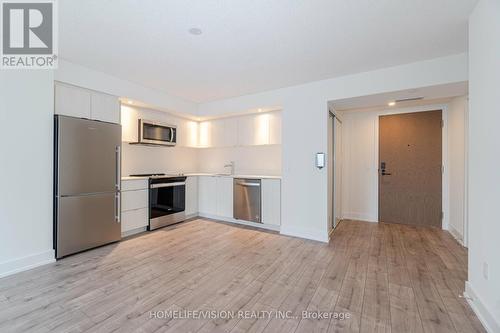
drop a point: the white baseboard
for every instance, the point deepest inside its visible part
(305, 233)
(25, 263)
(231, 220)
(359, 217)
(454, 232)
(129, 233)
(486, 317)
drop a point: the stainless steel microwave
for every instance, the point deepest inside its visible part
(156, 133)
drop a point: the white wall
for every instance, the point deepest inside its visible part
(26, 140)
(304, 126)
(249, 160)
(457, 113)
(484, 162)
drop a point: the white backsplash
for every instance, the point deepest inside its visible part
(258, 160)
(147, 159)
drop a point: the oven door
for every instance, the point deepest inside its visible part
(167, 202)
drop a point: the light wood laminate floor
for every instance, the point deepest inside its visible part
(386, 277)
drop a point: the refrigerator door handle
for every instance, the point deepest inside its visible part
(118, 158)
(117, 207)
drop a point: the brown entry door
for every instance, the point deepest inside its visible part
(410, 157)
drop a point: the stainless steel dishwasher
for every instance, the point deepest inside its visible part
(247, 200)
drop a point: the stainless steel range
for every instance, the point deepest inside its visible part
(167, 199)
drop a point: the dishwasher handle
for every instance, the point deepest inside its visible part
(248, 184)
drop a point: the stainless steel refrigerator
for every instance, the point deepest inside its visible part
(87, 165)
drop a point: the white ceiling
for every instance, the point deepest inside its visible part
(431, 95)
(250, 46)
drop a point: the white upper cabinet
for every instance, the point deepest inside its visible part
(72, 101)
(275, 128)
(105, 107)
(246, 130)
(259, 129)
(217, 133)
(84, 103)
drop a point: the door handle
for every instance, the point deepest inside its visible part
(118, 207)
(249, 184)
(118, 158)
(383, 173)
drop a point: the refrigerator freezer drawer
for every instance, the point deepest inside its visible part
(87, 221)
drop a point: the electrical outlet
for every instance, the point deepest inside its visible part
(485, 270)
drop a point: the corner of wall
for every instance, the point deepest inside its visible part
(307, 233)
(25, 263)
(488, 320)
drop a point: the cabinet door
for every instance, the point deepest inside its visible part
(134, 219)
(207, 198)
(253, 130)
(105, 108)
(225, 196)
(134, 199)
(72, 101)
(230, 137)
(271, 201)
(191, 195)
(217, 133)
(246, 131)
(275, 128)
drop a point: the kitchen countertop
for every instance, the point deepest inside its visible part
(214, 174)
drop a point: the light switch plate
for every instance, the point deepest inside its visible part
(320, 160)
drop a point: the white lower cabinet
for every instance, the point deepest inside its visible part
(134, 199)
(134, 219)
(271, 201)
(191, 196)
(134, 205)
(207, 197)
(224, 186)
(215, 196)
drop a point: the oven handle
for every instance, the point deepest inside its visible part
(167, 185)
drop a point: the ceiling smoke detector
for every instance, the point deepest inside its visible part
(195, 31)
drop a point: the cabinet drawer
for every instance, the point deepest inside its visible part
(134, 200)
(134, 184)
(134, 219)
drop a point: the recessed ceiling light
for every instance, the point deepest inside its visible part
(195, 31)
(260, 110)
(391, 103)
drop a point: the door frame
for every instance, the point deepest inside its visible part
(332, 117)
(445, 181)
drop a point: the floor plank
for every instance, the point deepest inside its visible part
(370, 277)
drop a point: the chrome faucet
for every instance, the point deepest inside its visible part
(230, 165)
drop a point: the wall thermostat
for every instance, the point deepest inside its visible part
(320, 160)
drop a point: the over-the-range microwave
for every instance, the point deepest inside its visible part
(156, 133)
